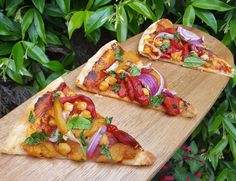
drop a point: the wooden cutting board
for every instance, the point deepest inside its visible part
(160, 134)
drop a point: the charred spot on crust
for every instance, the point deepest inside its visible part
(105, 61)
(174, 106)
(43, 104)
(94, 78)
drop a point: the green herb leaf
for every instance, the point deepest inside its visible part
(26, 21)
(176, 35)
(134, 71)
(36, 138)
(79, 123)
(39, 25)
(108, 120)
(76, 21)
(39, 4)
(83, 143)
(118, 54)
(156, 101)
(165, 46)
(189, 16)
(112, 73)
(122, 76)
(193, 62)
(31, 117)
(122, 25)
(18, 55)
(116, 87)
(105, 151)
(64, 5)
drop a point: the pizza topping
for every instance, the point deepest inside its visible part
(164, 35)
(77, 122)
(193, 62)
(60, 121)
(108, 120)
(116, 87)
(150, 82)
(31, 117)
(113, 67)
(134, 71)
(162, 83)
(156, 101)
(103, 86)
(118, 54)
(95, 140)
(171, 105)
(122, 92)
(111, 80)
(36, 138)
(56, 136)
(105, 151)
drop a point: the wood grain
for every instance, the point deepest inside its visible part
(160, 134)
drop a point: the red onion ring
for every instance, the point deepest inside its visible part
(150, 82)
(162, 82)
(162, 34)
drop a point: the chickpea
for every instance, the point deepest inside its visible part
(68, 107)
(81, 105)
(64, 148)
(145, 91)
(111, 80)
(103, 85)
(85, 114)
(52, 122)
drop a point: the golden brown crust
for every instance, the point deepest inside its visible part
(142, 158)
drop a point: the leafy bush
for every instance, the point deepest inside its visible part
(36, 48)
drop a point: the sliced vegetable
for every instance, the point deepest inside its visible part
(60, 121)
(156, 101)
(113, 67)
(95, 140)
(162, 82)
(105, 151)
(150, 82)
(171, 105)
(54, 136)
(193, 62)
(164, 35)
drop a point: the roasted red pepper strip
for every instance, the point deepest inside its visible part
(145, 70)
(186, 50)
(79, 97)
(164, 55)
(176, 44)
(138, 92)
(171, 105)
(129, 87)
(122, 91)
(123, 137)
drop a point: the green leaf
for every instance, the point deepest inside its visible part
(223, 175)
(220, 146)
(156, 101)
(5, 48)
(193, 62)
(15, 76)
(76, 21)
(165, 46)
(6, 22)
(214, 159)
(39, 4)
(134, 71)
(108, 120)
(69, 59)
(89, 4)
(55, 66)
(83, 143)
(227, 39)
(40, 78)
(64, 5)
(53, 76)
(31, 117)
(122, 25)
(116, 87)
(232, 102)
(54, 11)
(233, 29)
(194, 148)
(159, 8)
(99, 3)
(212, 5)
(53, 38)
(105, 151)
(215, 124)
(229, 127)
(24, 72)
(33, 35)
(11, 6)
(39, 25)
(35, 52)
(232, 145)
(98, 18)
(94, 36)
(194, 165)
(118, 54)
(36, 138)
(207, 17)
(26, 21)
(180, 173)
(18, 53)
(189, 16)
(143, 9)
(79, 123)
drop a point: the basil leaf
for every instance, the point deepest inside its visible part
(165, 46)
(31, 117)
(108, 120)
(122, 76)
(105, 151)
(78, 123)
(156, 101)
(36, 138)
(118, 54)
(112, 73)
(193, 62)
(116, 87)
(134, 71)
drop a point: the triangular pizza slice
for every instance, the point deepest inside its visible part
(171, 43)
(120, 74)
(63, 124)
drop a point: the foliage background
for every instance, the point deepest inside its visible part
(41, 40)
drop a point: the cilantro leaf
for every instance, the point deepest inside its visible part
(134, 71)
(105, 151)
(122, 76)
(193, 62)
(156, 101)
(31, 117)
(165, 46)
(108, 120)
(112, 73)
(83, 143)
(118, 54)
(176, 35)
(36, 138)
(116, 87)
(79, 123)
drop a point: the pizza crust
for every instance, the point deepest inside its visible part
(18, 134)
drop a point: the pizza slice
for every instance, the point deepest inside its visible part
(167, 42)
(120, 74)
(63, 124)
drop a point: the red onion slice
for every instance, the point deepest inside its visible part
(150, 82)
(169, 93)
(162, 82)
(55, 137)
(95, 140)
(156, 52)
(162, 34)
